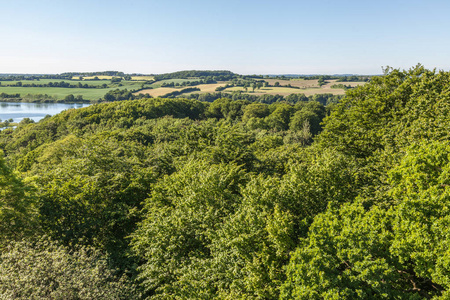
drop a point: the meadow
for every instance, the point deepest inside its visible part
(107, 77)
(47, 81)
(101, 77)
(60, 93)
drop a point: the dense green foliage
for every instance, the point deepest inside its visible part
(107, 73)
(390, 242)
(400, 251)
(18, 214)
(234, 199)
(218, 75)
(45, 270)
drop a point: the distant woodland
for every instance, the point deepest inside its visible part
(233, 198)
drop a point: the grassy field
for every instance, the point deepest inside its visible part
(60, 93)
(46, 81)
(104, 77)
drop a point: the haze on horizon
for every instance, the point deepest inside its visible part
(246, 37)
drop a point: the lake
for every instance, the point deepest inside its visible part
(35, 111)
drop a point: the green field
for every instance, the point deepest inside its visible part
(46, 81)
(104, 77)
(60, 93)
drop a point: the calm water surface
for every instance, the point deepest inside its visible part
(34, 111)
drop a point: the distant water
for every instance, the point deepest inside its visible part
(35, 111)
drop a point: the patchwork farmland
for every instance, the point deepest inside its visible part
(99, 87)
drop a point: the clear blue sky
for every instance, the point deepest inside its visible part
(243, 36)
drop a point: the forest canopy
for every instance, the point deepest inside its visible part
(184, 199)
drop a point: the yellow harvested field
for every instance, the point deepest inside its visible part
(334, 81)
(100, 77)
(157, 92)
(204, 88)
(143, 78)
(209, 88)
(301, 83)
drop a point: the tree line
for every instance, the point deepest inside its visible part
(207, 80)
(215, 75)
(89, 74)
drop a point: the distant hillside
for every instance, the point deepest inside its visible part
(223, 75)
(105, 73)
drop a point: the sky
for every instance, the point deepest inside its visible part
(243, 36)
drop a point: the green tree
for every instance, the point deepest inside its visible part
(116, 79)
(390, 111)
(391, 249)
(321, 81)
(226, 108)
(279, 119)
(18, 212)
(181, 216)
(246, 86)
(45, 270)
(69, 98)
(255, 110)
(90, 191)
(312, 113)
